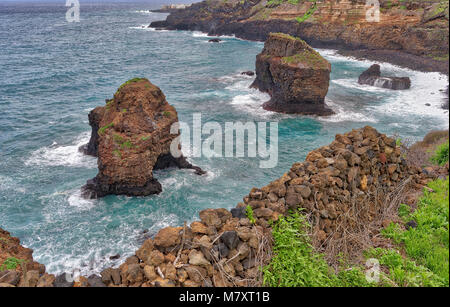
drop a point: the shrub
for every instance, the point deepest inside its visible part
(296, 264)
(427, 244)
(440, 156)
(404, 272)
(250, 216)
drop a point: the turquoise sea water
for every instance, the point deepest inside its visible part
(53, 73)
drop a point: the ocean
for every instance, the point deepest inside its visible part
(54, 72)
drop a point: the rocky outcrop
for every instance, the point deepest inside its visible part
(131, 138)
(372, 76)
(17, 266)
(345, 189)
(295, 76)
(402, 37)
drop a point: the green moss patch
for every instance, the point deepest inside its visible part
(103, 129)
(309, 57)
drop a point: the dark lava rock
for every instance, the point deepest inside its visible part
(230, 238)
(114, 257)
(411, 224)
(223, 250)
(248, 73)
(95, 281)
(372, 76)
(239, 212)
(215, 40)
(61, 281)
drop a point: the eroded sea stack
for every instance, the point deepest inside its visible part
(294, 75)
(131, 138)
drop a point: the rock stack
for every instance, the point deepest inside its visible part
(294, 75)
(131, 137)
(372, 76)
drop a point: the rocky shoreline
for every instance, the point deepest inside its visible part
(399, 38)
(344, 188)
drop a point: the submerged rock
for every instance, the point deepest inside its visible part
(294, 75)
(248, 73)
(372, 76)
(131, 137)
(215, 40)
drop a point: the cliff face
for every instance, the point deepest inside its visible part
(412, 34)
(131, 137)
(294, 74)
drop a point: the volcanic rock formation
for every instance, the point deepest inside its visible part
(131, 137)
(410, 33)
(294, 75)
(372, 76)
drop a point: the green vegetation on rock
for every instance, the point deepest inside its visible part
(129, 82)
(249, 213)
(427, 243)
(103, 129)
(308, 56)
(295, 262)
(440, 157)
(11, 263)
(308, 14)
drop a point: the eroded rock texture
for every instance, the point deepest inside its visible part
(131, 137)
(295, 76)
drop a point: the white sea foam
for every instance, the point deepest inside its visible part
(426, 88)
(343, 115)
(76, 200)
(9, 184)
(63, 155)
(200, 34)
(353, 84)
(146, 12)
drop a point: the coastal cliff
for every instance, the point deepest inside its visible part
(294, 74)
(413, 34)
(131, 138)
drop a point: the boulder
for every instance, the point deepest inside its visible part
(95, 281)
(215, 40)
(10, 277)
(248, 73)
(62, 281)
(230, 239)
(131, 138)
(197, 258)
(168, 236)
(372, 76)
(46, 281)
(294, 75)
